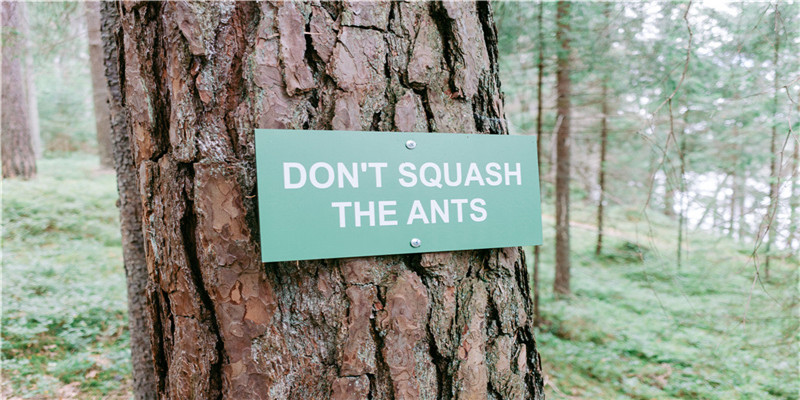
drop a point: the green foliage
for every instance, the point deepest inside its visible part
(64, 296)
(637, 328)
(62, 77)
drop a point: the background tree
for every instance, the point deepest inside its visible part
(445, 325)
(561, 283)
(18, 155)
(100, 97)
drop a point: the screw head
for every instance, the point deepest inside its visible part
(410, 144)
(415, 242)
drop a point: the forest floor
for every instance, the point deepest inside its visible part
(635, 327)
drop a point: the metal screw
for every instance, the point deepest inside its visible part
(416, 243)
(410, 144)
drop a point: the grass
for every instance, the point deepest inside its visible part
(635, 327)
(639, 327)
(64, 314)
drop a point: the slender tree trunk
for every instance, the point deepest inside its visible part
(682, 181)
(774, 169)
(18, 156)
(669, 198)
(601, 180)
(734, 183)
(102, 118)
(537, 316)
(742, 229)
(427, 326)
(130, 207)
(794, 217)
(563, 87)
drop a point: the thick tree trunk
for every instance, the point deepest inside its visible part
(199, 77)
(563, 87)
(130, 207)
(102, 117)
(18, 156)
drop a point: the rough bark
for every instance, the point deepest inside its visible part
(18, 156)
(198, 78)
(563, 88)
(130, 206)
(102, 117)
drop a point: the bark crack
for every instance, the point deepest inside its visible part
(188, 226)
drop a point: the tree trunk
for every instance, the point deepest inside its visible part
(102, 118)
(537, 316)
(199, 78)
(794, 217)
(601, 180)
(30, 88)
(18, 156)
(563, 87)
(130, 207)
(682, 180)
(774, 168)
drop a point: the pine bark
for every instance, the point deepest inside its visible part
(102, 118)
(18, 156)
(198, 79)
(130, 206)
(563, 88)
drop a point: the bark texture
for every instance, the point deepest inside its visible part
(102, 118)
(198, 78)
(130, 207)
(563, 88)
(18, 156)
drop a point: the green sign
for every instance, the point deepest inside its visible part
(329, 194)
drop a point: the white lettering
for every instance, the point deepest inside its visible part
(383, 212)
(377, 166)
(417, 212)
(312, 175)
(460, 203)
(404, 170)
(493, 170)
(436, 181)
(287, 175)
(444, 213)
(447, 175)
(473, 174)
(342, 205)
(370, 212)
(517, 173)
(343, 173)
(473, 205)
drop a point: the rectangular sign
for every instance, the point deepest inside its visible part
(330, 194)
